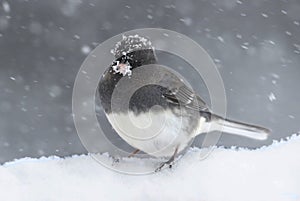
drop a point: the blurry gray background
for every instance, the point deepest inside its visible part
(255, 44)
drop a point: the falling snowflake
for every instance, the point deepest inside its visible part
(77, 37)
(220, 39)
(6, 6)
(85, 49)
(272, 97)
(283, 12)
(150, 17)
(288, 33)
(264, 15)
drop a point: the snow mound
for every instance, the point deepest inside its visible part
(269, 173)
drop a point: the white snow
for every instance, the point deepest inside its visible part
(6, 6)
(85, 49)
(288, 33)
(291, 116)
(265, 15)
(283, 12)
(220, 39)
(150, 17)
(272, 97)
(131, 43)
(187, 21)
(272, 42)
(76, 37)
(55, 91)
(123, 69)
(276, 76)
(269, 173)
(239, 36)
(244, 47)
(52, 58)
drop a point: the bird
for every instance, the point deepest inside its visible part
(176, 113)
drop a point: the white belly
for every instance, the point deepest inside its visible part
(155, 133)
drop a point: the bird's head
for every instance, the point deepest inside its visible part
(132, 52)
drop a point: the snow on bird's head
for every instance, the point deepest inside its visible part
(129, 44)
(122, 68)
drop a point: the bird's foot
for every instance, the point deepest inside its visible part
(167, 163)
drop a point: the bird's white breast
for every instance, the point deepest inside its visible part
(157, 133)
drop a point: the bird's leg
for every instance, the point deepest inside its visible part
(134, 152)
(117, 159)
(169, 162)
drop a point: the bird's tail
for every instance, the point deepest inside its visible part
(218, 123)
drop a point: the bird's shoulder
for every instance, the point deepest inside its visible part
(186, 97)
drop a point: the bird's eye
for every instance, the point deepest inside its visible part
(114, 63)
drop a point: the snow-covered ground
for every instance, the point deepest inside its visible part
(269, 173)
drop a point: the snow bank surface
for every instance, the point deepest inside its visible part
(270, 173)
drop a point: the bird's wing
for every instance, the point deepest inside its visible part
(184, 96)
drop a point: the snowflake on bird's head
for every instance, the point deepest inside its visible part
(122, 66)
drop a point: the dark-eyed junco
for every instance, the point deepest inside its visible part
(175, 112)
